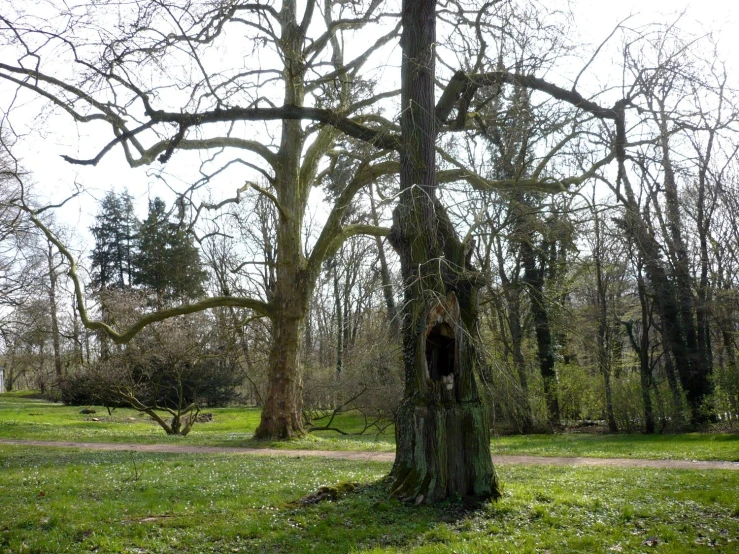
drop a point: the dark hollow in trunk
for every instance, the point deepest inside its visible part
(442, 425)
(440, 346)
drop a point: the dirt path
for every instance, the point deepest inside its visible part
(373, 456)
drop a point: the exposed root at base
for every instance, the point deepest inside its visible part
(327, 494)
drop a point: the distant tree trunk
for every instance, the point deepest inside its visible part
(387, 285)
(604, 361)
(88, 348)
(339, 323)
(10, 370)
(732, 370)
(703, 311)
(675, 351)
(645, 370)
(638, 232)
(41, 375)
(105, 317)
(442, 434)
(256, 394)
(514, 322)
(703, 222)
(726, 322)
(695, 370)
(308, 342)
(512, 295)
(604, 335)
(238, 328)
(534, 280)
(59, 370)
(348, 313)
(78, 355)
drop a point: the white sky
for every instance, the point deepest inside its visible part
(40, 154)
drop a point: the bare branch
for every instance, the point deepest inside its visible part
(127, 334)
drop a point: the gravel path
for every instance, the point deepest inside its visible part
(373, 456)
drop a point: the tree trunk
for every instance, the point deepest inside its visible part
(77, 355)
(731, 372)
(512, 294)
(645, 372)
(695, 369)
(54, 319)
(41, 375)
(339, 323)
(604, 361)
(387, 285)
(534, 279)
(10, 370)
(604, 335)
(283, 405)
(516, 335)
(442, 434)
(703, 311)
(105, 317)
(675, 351)
(637, 231)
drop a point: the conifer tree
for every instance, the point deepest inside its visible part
(167, 262)
(114, 232)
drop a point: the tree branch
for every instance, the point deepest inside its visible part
(378, 137)
(332, 230)
(127, 334)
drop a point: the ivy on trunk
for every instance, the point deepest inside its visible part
(442, 433)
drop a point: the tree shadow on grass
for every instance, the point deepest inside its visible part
(364, 519)
(190, 503)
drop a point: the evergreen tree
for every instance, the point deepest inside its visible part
(114, 231)
(167, 262)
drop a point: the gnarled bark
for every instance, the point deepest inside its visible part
(443, 440)
(442, 432)
(283, 405)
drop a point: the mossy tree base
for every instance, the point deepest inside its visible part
(442, 430)
(445, 453)
(283, 406)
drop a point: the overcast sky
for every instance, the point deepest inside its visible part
(714, 14)
(594, 19)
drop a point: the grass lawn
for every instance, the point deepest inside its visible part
(24, 418)
(54, 500)
(686, 446)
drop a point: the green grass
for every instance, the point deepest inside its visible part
(24, 418)
(54, 500)
(686, 446)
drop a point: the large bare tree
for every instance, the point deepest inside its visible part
(156, 85)
(159, 83)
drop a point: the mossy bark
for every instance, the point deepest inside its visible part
(442, 432)
(645, 370)
(282, 413)
(443, 440)
(283, 406)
